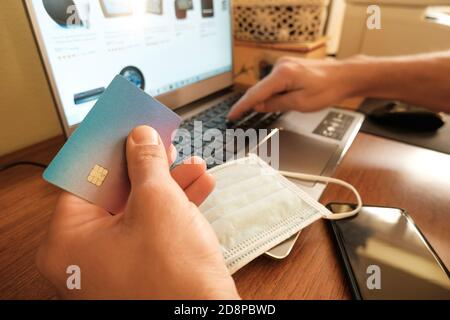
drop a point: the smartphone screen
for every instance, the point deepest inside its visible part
(387, 257)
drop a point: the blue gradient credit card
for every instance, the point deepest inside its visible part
(92, 163)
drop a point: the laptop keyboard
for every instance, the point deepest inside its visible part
(215, 117)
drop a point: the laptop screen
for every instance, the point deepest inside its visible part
(159, 45)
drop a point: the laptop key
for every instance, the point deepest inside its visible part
(216, 118)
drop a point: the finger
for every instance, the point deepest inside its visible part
(172, 154)
(189, 171)
(146, 157)
(198, 191)
(259, 93)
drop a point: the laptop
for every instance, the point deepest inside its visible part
(187, 64)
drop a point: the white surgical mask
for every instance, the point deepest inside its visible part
(253, 208)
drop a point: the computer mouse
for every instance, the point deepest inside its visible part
(403, 116)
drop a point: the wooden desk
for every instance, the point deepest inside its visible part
(385, 172)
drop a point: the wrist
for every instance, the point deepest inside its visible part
(371, 76)
(358, 73)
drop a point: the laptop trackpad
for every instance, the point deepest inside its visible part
(300, 153)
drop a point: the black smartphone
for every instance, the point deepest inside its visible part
(385, 256)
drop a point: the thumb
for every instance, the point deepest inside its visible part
(146, 156)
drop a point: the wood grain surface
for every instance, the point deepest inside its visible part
(385, 172)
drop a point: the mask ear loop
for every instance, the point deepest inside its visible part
(314, 178)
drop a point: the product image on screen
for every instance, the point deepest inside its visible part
(184, 4)
(150, 43)
(207, 8)
(63, 12)
(116, 8)
(155, 6)
(90, 95)
(134, 75)
(180, 12)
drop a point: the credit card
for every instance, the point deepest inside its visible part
(92, 163)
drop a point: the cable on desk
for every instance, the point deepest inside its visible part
(22, 163)
(322, 179)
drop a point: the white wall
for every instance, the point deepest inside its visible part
(404, 29)
(27, 112)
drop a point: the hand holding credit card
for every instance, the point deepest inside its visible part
(92, 163)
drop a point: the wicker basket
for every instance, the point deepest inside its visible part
(279, 20)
